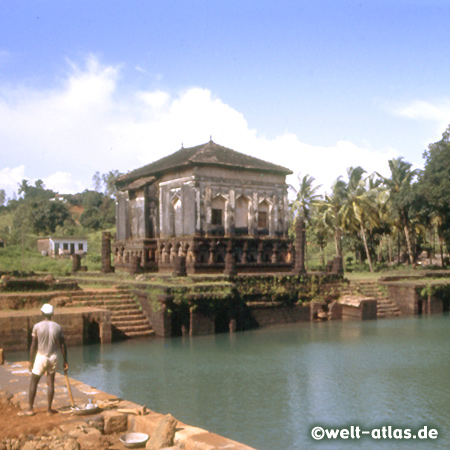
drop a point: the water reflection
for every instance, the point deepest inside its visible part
(267, 388)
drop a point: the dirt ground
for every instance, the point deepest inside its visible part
(27, 428)
(12, 426)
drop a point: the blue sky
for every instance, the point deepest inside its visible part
(314, 85)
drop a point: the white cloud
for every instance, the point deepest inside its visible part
(156, 99)
(10, 178)
(63, 135)
(422, 110)
(64, 182)
(438, 112)
(325, 164)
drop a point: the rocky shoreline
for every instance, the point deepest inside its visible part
(101, 430)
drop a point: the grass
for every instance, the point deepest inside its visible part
(6, 219)
(88, 286)
(359, 276)
(16, 258)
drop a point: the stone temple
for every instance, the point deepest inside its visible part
(204, 209)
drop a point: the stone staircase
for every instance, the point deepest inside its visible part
(127, 319)
(371, 289)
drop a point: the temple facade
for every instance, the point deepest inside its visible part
(208, 207)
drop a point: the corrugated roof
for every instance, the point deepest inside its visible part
(205, 154)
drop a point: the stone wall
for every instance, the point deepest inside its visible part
(365, 310)
(200, 324)
(405, 296)
(16, 326)
(197, 323)
(240, 303)
(154, 307)
(273, 314)
(433, 305)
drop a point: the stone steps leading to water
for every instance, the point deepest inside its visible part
(127, 318)
(387, 308)
(371, 289)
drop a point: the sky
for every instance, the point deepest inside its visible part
(316, 86)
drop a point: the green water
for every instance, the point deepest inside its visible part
(268, 388)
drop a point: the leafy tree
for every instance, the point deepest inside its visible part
(91, 199)
(2, 197)
(97, 181)
(23, 221)
(49, 215)
(401, 198)
(37, 211)
(330, 212)
(306, 197)
(109, 181)
(91, 218)
(23, 187)
(320, 233)
(37, 191)
(99, 210)
(359, 211)
(434, 185)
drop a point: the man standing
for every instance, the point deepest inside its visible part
(47, 336)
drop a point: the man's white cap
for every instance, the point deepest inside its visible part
(47, 309)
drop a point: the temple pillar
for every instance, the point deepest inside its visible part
(106, 252)
(230, 263)
(259, 258)
(300, 241)
(212, 249)
(275, 252)
(244, 253)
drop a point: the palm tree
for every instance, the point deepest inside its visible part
(306, 197)
(330, 212)
(360, 207)
(399, 186)
(321, 231)
(23, 187)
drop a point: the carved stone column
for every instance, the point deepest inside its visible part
(300, 240)
(106, 252)
(230, 263)
(259, 258)
(244, 253)
(275, 252)
(212, 250)
(76, 263)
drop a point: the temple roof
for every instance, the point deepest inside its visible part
(205, 154)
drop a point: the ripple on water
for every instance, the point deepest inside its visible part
(268, 387)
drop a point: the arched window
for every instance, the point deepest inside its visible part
(218, 214)
(177, 216)
(241, 221)
(263, 217)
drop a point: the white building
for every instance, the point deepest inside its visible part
(62, 246)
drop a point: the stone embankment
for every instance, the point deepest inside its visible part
(369, 290)
(87, 316)
(127, 318)
(102, 430)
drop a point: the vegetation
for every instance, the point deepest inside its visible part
(373, 222)
(368, 215)
(16, 258)
(37, 212)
